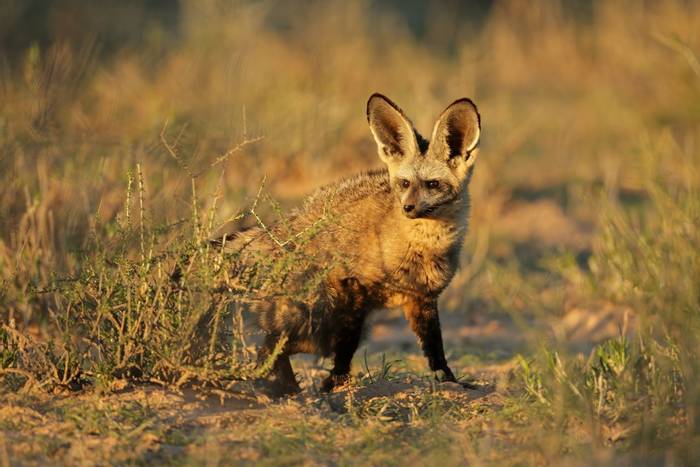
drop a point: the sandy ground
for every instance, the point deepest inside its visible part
(150, 424)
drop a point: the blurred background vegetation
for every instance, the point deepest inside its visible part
(572, 96)
(585, 200)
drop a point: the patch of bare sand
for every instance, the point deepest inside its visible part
(397, 388)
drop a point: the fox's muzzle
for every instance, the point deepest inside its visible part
(415, 212)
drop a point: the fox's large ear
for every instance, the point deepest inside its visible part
(456, 133)
(392, 130)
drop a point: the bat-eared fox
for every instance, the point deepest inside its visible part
(381, 239)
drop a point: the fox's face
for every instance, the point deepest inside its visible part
(426, 178)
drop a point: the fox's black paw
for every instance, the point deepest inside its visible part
(447, 377)
(443, 376)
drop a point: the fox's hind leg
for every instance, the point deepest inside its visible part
(285, 375)
(281, 368)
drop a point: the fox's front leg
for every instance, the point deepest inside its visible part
(423, 317)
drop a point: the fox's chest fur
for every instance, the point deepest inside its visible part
(423, 258)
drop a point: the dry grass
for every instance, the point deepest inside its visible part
(577, 306)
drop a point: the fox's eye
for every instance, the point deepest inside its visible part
(432, 183)
(405, 183)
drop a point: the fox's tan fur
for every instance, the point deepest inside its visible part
(365, 249)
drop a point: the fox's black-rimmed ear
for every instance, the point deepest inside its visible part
(392, 130)
(457, 131)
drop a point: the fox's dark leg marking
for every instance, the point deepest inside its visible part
(425, 322)
(345, 347)
(281, 368)
(285, 375)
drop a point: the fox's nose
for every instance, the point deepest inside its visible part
(408, 207)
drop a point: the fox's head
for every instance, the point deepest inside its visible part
(426, 177)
